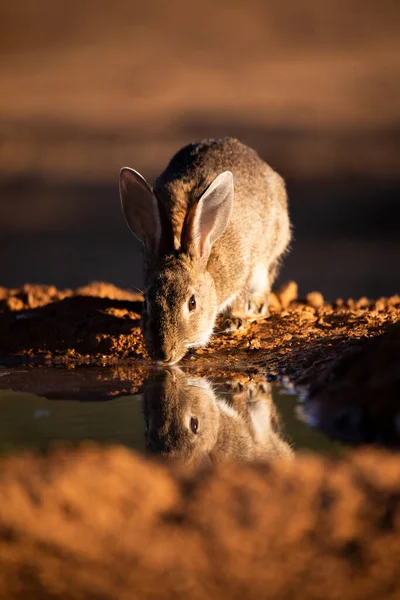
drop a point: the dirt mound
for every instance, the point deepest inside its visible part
(33, 296)
(311, 528)
(358, 400)
(96, 320)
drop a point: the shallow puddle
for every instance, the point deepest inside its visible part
(173, 412)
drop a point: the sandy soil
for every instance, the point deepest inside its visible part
(303, 338)
(305, 529)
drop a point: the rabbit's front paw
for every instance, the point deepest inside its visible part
(257, 308)
(235, 324)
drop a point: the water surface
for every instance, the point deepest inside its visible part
(173, 412)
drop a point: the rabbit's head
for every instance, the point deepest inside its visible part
(181, 415)
(180, 309)
(180, 298)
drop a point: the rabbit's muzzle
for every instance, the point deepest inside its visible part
(165, 355)
(162, 347)
(163, 350)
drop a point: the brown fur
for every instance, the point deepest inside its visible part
(237, 274)
(106, 524)
(231, 426)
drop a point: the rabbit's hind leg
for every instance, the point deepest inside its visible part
(260, 416)
(252, 304)
(234, 323)
(235, 316)
(259, 289)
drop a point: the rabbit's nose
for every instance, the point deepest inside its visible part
(159, 354)
(163, 355)
(166, 356)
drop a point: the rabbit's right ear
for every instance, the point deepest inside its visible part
(207, 220)
(140, 207)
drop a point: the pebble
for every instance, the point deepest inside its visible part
(274, 303)
(287, 293)
(362, 302)
(315, 299)
(380, 304)
(254, 344)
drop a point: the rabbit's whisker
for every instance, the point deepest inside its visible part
(137, 289)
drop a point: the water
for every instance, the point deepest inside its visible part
(172, 412)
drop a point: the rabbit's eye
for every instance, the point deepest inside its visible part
(192, 303)
(194, 424)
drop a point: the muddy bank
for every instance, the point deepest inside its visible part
(304, 529)
(100, 324)
(357, 399)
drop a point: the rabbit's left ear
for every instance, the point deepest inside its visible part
(208, 218)
(140, 207)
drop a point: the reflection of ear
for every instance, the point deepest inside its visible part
(140, 208)
(207, 219)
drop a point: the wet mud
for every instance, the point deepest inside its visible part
(358, 400)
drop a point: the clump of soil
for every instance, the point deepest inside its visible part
(100, 323)
(305, 529)
(88, 324)
(33, 296)
(358, 400)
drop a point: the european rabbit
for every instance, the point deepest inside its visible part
(186, 419)
(214, 228)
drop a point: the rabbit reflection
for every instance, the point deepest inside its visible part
(187, 419)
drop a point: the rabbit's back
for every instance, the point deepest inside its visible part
(195, 166)
(259, 227)
(250, 430)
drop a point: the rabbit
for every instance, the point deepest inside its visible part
(253, 402)
(187, 419)
(214, 228)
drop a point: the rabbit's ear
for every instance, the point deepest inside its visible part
(140, 207)
(209, 217)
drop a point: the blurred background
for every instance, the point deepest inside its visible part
(87, 87)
